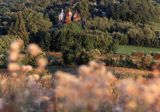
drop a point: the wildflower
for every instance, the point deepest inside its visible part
(36, 77)
(44, 98)
(13, 67)
(14, 75)
(13, 56)
(16, 45)
(46, 77)
(42, 63)
(131, 105)
(148, 97)
(27, 68)
(84, 70)
(34, 50)
(128, 86)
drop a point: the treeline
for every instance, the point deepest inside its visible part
(127, 33)
(137, 11)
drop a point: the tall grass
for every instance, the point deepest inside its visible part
(93, 89)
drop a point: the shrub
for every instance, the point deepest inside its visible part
(94, 54)
(120, 37)
(99, 23)
(82, 58)
(43, 39)
(75, 42)
(69, 57)
(136, 60)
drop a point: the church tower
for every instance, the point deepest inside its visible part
(61, 16)
(69, 16)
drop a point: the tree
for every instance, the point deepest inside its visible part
(19, 28)
(35, 21)
(83, 8)
(142, 11)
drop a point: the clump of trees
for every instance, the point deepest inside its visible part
(73, 42)
(142, 11)
(127, 33)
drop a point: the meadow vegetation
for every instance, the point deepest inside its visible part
(129, 49)
(93, 89)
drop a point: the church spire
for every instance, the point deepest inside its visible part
(69, 16)
(61, 16)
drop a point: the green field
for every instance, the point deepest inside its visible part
(127, 49)
(156, 25)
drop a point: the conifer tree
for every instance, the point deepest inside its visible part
(19, 29)
(83, 7)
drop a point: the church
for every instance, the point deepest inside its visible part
(69, 16)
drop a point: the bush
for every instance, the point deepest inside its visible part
(136, 60)
(84, 40)
(134, 34)
(69, 57)
(75, 41)
(82, 58)
(99, 23)
(43, 39)
(120, 37)
(94, 54)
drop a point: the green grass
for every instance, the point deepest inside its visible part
(126, 49)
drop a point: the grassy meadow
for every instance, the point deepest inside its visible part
(128, 49)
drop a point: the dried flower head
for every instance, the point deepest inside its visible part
(16, 45)
(13, 67)
(27, 68)
(42, 63)
(34, 50)
(13, 56)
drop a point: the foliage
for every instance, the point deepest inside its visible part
(134, 34)
(35, 21)
(5, 42)
(19, 28)
(142, 11)
(72, 41)
(135, 60)
(83, 8)
(100, 23)
(43, 39)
